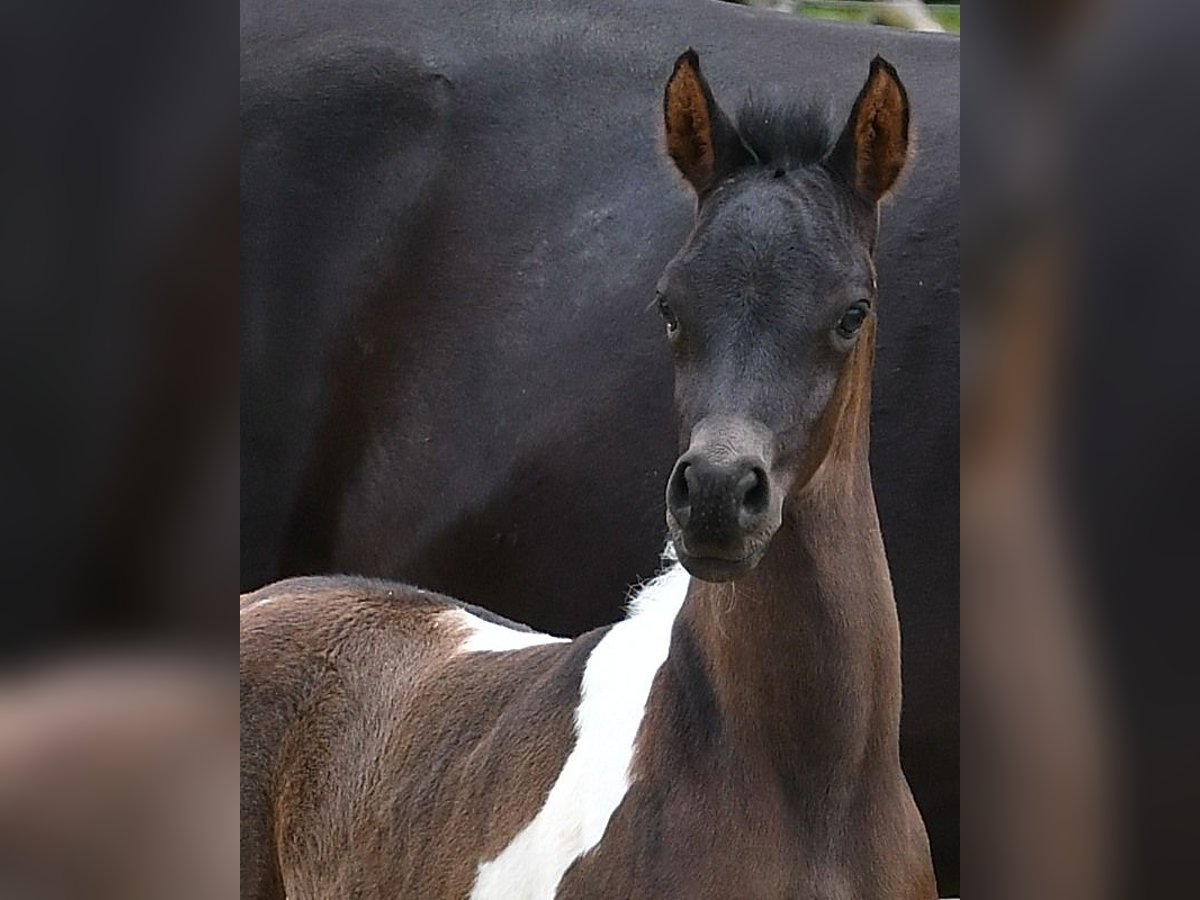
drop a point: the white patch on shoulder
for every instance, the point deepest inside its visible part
(257, 604)
(595, 777)
(484, 636)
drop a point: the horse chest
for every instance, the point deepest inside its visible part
(711, 836)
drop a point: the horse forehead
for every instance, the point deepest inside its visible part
(774, 222)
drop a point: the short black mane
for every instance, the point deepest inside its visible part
(786, 135)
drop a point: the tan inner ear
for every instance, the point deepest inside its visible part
(689, 127)
(880, 137)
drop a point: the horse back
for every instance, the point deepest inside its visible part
(303, 643)
(376, 737)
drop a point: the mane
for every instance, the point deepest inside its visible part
(786, 135)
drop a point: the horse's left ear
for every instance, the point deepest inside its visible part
(873, 147)
(702, 142)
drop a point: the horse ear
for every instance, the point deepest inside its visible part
(701, 140)
(873, 147)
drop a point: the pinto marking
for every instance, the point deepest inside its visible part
(492, 637)
(595, 777)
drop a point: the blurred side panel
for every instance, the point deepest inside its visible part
(1080, 430)
(118, 449)
(118, 236)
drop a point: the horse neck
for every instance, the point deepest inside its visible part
(802, 655)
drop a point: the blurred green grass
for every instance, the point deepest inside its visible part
(946, 15)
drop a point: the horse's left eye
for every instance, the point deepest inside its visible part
(668, 316)
(853, 318)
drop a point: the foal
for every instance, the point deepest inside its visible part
(737, 735)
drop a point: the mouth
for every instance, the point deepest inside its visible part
(717, 568)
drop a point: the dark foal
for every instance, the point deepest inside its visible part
(738, 734)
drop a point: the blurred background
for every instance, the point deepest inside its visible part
(913, 14)
(118, 450)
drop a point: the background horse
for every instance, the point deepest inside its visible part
(453, 219)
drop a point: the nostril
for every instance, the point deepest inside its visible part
(754, 491)
(679, 494)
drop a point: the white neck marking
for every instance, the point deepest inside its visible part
(595, 778)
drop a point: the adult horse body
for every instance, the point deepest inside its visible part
(454, 215)
(738, 734)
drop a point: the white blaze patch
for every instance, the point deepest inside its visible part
(595, 777)
(485, 636)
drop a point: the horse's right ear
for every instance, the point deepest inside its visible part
(701, 140)
(873, 147)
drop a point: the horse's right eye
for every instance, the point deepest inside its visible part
(668, 316)
(853, 318)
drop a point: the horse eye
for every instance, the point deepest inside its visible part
(668, 316)
(853, 318)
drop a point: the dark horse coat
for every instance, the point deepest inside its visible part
(453, 215)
